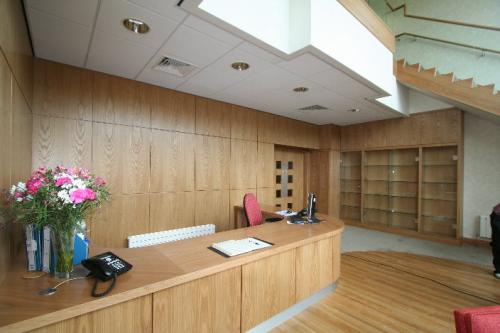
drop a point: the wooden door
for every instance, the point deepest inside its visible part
(289, 166)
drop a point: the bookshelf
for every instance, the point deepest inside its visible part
(390, 183)
(350, 186)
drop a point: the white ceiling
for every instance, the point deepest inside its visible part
(90, 34)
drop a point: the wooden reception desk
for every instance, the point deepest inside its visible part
(184, 287)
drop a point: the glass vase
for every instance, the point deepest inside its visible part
(63, 242)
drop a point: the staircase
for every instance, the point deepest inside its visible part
(463, 93)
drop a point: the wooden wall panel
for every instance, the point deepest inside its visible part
(123, 216)
(329, 137)
(266, 165)
(120, 155)
(266, 196)
(58, 141)
(266, 132)
(440, 126)
(16, 45)
(22, 125)
(243, 170)
(62, 90)
(243, 123)
(268, 287)
(172, 110)
(319, 178)
(213, 155)
(121, 101)
(138, 313)
(403, 131)
(213, 117)
(172, 161)
(171, 210)
(352, 137)
(5, 123)
(210, 304)
(212, 207)
(314, 267)
(375, 134)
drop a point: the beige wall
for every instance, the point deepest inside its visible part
(15, 115)
(481, 171)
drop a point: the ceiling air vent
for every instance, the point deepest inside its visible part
(174, 66)
(313, 108)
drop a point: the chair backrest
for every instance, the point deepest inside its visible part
(478, 320)
(252, 210)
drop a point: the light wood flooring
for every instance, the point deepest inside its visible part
(397, 292)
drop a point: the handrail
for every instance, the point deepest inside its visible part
(465, 24)
(447, 42)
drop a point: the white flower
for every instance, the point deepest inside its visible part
(21, 186)
(19, 199)
(13, 190)
(64, 196)
(79, 184)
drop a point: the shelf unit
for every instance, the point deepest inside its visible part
(411, 190)
(350, 185)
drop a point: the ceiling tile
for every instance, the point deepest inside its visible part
(259, 52)
(196, 89)
(58, 39)
(212, 30)
(159, 78)
(339, 82)
(113, 12)
(305, 65)
(220, 75)
(117, 56)
(77, 11)
(194, 47)
(166, 8)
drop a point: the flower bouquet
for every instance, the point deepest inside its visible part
(60, 199)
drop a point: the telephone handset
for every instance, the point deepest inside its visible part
(104, 267)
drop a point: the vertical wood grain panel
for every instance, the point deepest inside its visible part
(213, 117)
(243, 123)
(120, 155)
(403, 131)
(62, 91)
(329, 137)
(58, 141)
(268, 287)
(243, 169)
(212, 207)
(212, 162)
(172, 161)
(334, 194)
(210, 304)
(22, 125)
(15, 44)
(127, 317)
(336, 256)
(440, 126)
(266, 196)
(5, 123)
(352, 137)
(314, 267)
(265, 166)
(123, 216)
(171, 210)
(172, 110)
(266, 131)
(375, 134)
(121, 101)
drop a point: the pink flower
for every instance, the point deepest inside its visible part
(80, 195)
(99, 181)
(33, 185)
(63, 180)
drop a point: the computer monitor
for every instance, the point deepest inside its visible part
(311, 205)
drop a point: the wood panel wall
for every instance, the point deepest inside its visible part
(15, 116)
(171, 159)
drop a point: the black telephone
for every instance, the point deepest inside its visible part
(104, 267)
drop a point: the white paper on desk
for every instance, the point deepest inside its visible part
(285, 213)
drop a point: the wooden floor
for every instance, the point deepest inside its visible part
(397, 292)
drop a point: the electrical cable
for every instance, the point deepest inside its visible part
(104, 293)
(423, 277)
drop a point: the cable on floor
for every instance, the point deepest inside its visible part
(423, 277)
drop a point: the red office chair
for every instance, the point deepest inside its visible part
(478, 320)
(252, 210)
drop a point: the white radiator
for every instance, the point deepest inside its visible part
(167, 236)
(484, 226)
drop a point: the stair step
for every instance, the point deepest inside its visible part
(486, 89)
(466, 83)
(448, 77)
(431, 72)
(415, 67)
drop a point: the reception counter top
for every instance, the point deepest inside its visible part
(156, 268)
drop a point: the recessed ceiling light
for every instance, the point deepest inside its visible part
(136, 25)
(353, 110)
(300, 89)
(240, 66)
